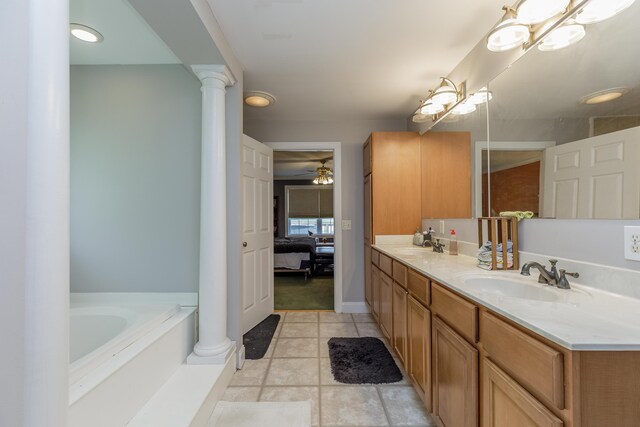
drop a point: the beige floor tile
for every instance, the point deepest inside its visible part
(326, 377)
(368, 330)
(363, 318)
(296, 347)
(299, 330)
(304, 317)
(329, 317)
(269, 352)
(351, 406)
(324, 347)
(241, 394)
(295, 394)
(252, 373)
(404, 407)
(293, 372)
(338, 330)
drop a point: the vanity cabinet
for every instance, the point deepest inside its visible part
(400, 322)
(375, 293)
(386, 305)
(455, 377)
(418, 364)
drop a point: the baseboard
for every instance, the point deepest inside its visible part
(355, 307)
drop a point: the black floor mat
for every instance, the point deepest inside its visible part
(257, 340)
(362, 361)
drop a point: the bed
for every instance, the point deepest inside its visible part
(296, 254)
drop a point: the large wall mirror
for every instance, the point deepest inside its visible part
(554, 151)
(542, 144)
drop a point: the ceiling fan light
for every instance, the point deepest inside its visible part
(531, 12)
(563, 36)
(599, 10)
(508, 34)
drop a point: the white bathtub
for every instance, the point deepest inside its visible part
(122, 349)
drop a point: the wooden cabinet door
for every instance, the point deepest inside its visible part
(419, 348)
(366, 157)
(375, 293)
(367, 273)
(367, 209)
(505, 403)
(386, 301)
(400, 322)
(455, 377)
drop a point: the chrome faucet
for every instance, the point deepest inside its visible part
(427, 238)
(438, 247)
(551, 277)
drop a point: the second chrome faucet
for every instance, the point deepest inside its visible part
(553, 277)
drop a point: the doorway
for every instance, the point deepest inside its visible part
(307, 232)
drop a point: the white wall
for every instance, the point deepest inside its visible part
(352, 135)
(13, 143)
(135, 178)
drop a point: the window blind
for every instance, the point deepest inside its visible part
(306, 202)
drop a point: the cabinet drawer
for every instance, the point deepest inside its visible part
(536, 366)
(459, 313)
(400, 273)
(375, 257)
(384, 263)
(418, 286)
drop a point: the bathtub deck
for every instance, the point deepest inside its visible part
(188, 398)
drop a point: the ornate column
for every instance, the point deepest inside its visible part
(213, 347)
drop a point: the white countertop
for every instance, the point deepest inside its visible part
(581, 318)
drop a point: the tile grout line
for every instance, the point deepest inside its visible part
(276, 337)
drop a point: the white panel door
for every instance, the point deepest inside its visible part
(595, 177)
(257, 232)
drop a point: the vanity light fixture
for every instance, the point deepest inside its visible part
(565, 35)
(86, 34)
(259, 99)
(420, 118)
(466, 107)
(530, 12)
(431, 108)
(481, 96)
(604, 95)
(599, 10)
(446, 93)
(508, 34)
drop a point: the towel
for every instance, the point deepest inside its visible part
(517, 214)
(487, 247)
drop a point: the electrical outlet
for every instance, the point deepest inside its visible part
(632, 242)
(346, 224)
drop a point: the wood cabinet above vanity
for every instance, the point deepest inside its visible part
(474, 367)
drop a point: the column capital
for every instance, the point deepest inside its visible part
(214, 71)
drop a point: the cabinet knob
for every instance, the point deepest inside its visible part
(244, 244)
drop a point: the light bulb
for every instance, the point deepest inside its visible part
(508, 35)
(536, 11)
(599, 10)
(466, 107)
(563, 36)
(481, 96)
(430, 108)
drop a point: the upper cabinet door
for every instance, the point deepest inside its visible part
(366, 158)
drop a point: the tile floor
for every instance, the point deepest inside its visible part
(297, 367)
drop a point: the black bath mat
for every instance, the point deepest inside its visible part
(257, 340)
(362, 361)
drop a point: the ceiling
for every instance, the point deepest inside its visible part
(299, 164)
(355, 59)
(128, 39)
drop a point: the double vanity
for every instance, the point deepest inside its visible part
(499, 349)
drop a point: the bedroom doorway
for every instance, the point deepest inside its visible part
(306, 227)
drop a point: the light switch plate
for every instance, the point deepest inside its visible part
(632, 242)
(441, 226)
(346, 224)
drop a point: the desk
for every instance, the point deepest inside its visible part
(324, 258)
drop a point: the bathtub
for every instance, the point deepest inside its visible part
(122, 349)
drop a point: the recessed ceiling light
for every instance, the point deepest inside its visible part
(604, 95)
(259, 99)
(86, 34)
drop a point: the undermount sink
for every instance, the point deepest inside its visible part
(511, 288)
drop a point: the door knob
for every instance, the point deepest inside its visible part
(244, 244)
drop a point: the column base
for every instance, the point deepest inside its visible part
(219, 357)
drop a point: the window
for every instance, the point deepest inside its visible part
(309, 209)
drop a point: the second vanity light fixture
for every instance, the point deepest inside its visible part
(448, 98)
(528, 22)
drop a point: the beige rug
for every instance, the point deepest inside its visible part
(263, 414)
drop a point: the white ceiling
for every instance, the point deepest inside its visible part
(350, 59)
(128, 39)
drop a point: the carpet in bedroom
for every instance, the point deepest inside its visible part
(292, 292)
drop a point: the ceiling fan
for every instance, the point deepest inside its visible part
(324, 175)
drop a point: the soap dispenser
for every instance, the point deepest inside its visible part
(418, 238)
(453, 243)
